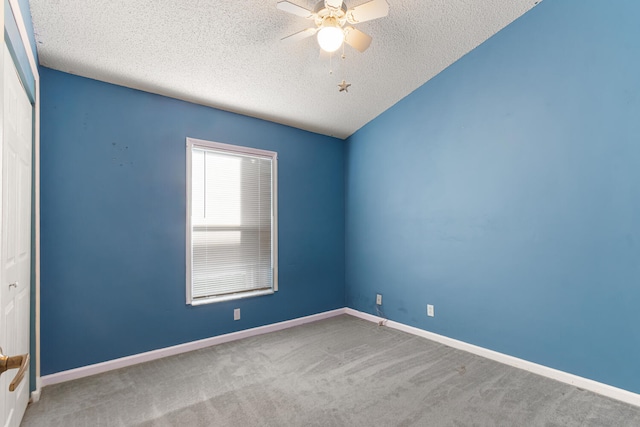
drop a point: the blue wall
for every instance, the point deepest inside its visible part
(26, 16)
(18, 50)
(506, 192)
(113, 222)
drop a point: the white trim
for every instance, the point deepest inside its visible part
(230, 147)
(232, 297)
(35, 396)
(565, 377)
(188, 248)
(274, 220)
(110, 365)
(17, 13)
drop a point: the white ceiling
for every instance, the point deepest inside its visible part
(227, 53)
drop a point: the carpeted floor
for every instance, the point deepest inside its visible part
(337, 372)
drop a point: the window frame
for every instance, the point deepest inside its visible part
(239, 150)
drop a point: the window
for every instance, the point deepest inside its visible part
(231, 222)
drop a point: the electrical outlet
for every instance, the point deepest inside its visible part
(378, 299)
(430, 311)
(236, 314)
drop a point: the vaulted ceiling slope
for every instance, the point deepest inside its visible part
(227, 54)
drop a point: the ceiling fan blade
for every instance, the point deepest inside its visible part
(366, 12)
(356, 39)
(294, 9)
(300, 35)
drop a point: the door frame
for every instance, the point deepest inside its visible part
(35, 352)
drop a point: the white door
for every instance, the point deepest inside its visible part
(15, 235)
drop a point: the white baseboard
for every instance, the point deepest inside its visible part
(565, 377)
(35, 394)
(110, 365)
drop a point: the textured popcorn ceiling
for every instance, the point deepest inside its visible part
(227, 53)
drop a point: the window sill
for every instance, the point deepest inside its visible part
(231, 297)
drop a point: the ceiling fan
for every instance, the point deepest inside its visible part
(331, 18)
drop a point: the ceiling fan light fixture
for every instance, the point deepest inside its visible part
(330, 17)
(330, 36)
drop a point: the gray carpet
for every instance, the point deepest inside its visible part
(337, 372)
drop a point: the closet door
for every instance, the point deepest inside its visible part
(15, 236)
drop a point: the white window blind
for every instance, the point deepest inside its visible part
(232, 222)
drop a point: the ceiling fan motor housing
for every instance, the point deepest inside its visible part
(322, 12)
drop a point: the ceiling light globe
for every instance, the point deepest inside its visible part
(330, 38)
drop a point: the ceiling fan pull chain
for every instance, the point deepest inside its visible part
(331, 63)
(344, 63)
